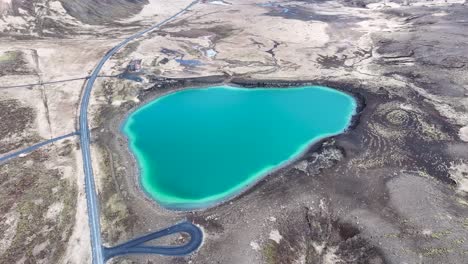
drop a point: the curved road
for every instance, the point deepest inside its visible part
(90, 188)
(136, 246)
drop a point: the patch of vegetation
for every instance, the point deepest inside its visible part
(465, 223)
(315, 236)
(270, 252)
(111, 92)
(431, 252)
(392, 235)
(8, 57)
(122, 260)
(459, 242)
(14, 63)
(15, 125)
(44, 203)
(115, 214)
(438, 235)
(127, 50)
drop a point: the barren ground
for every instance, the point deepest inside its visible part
(393, 189)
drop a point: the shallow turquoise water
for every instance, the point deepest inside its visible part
(197, 147)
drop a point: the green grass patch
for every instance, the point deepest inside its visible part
(432, 252)
(440, 234)
(8, 56)
(270, 252)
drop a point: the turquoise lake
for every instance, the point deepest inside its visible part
(198, 147)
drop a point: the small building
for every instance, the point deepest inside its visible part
(134, 65)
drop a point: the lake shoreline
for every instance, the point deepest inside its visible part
(184, 84)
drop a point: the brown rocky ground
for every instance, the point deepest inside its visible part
(391, 190)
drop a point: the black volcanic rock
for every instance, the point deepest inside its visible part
(102, 11)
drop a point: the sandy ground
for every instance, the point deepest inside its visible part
(54, 60)
(79, 248)
(157, 10)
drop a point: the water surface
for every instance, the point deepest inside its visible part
(197, 147)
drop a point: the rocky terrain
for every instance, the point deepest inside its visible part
(97, 12)
(393, 189)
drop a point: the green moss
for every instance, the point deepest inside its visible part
(392, 235)
(430, 252)
(270, 252)
(8, 56)
(459, 242)
(438, 235)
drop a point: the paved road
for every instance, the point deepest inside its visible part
(137, 246)
(91, 196)
(34, 147)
